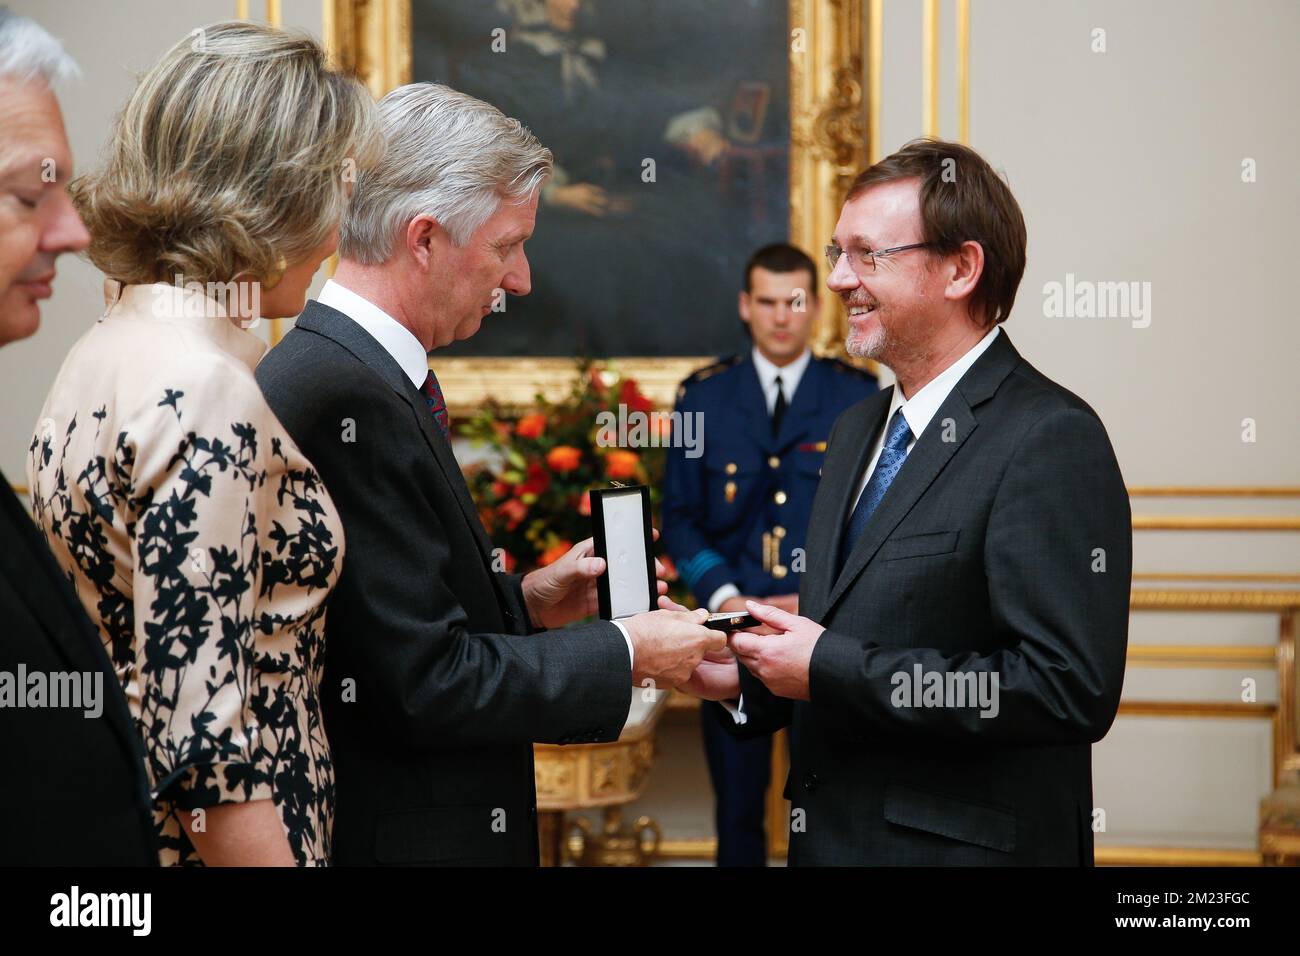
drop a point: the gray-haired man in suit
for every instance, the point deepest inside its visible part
(436, 681)
(965, 604)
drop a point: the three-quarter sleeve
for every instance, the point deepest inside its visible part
(195, 461)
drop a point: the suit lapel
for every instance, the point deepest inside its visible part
(931, 453)
(845, 459)
(337, 327)
(928, 457)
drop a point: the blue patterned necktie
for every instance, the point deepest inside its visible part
(892, 456)
(432, 392)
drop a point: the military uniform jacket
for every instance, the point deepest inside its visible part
(738, 511)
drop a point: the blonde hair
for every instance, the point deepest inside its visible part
(230, 159)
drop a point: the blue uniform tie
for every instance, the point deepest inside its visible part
(892, 456)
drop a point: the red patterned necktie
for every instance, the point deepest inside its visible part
(432, 392)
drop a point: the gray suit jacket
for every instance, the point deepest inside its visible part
(435, 689)
(1002, 551)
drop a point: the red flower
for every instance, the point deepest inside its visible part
(531, 426)
(584, 504)
(563, 458)
(670, 569)
(553, 553)
(513, 511)
(500, 489)
(622, 464)
(538, 480)
(630, 395)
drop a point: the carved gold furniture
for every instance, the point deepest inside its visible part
(587, 776)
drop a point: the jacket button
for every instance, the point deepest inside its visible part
(811, 781)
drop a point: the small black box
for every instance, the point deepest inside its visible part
(622, 535)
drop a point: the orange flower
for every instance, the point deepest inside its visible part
(670, 569)
(531, 426)
(563, 458)
(584, 504)
(553, 553)
(621, 464)
(507, 560)
(513, 511)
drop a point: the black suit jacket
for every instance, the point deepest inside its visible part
(434, 688)
(73, 790)
(985, 557)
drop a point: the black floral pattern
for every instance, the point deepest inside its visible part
(205, 553)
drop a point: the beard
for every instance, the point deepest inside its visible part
(872, 344)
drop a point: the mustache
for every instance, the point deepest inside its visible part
(858, 297)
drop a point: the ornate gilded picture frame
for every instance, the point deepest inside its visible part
(829, 143)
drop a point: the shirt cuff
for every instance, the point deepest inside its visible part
(724, 593)
(631, 655)
(736, 709)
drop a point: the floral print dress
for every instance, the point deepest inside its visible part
(203, 545)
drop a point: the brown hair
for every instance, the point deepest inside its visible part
(781, 257)
(231, 154)
(962, 199)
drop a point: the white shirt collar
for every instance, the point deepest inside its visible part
(397, 340)
(790, 375)
(921, 407)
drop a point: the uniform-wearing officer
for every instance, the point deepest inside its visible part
(735, 517)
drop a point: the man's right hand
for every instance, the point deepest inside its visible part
(667, 646)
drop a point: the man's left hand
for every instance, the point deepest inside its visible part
(565, 591)
(780, 660)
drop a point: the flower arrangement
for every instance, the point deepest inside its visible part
(532, 495)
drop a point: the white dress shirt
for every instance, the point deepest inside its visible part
(922, 407)
(918, 410)
(399, 342)
(790, 374)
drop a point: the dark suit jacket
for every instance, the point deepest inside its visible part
(73, 790)
(984, 558)
(434, 688)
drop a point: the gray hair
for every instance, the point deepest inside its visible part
(449, 156)
(27, 52)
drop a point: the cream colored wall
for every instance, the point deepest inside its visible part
(112, 42)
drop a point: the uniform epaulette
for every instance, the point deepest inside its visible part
(700, 374)
(847, 368)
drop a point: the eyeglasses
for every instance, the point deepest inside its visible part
(863, 260)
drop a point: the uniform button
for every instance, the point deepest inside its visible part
(731, 468)
(778, 532)
(779, 497)
(774, 462)
(811, 781)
